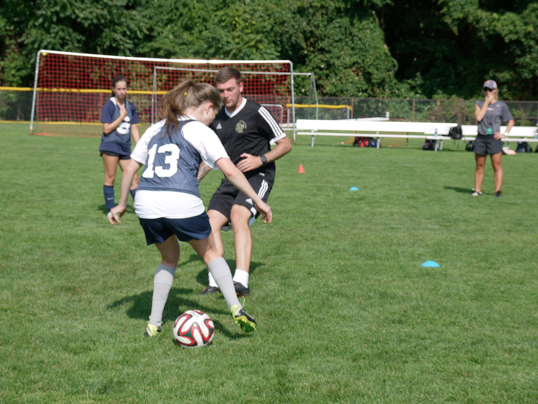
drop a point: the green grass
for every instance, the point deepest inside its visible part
(345, 311)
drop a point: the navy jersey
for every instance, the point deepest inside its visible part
(172, 163)
(122, 134)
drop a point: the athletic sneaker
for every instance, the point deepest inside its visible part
(152, 331)
(208, 290)
(241, 290)
(498, 194)
(243, 319)
(476, 193)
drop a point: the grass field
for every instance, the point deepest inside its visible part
(345, 311)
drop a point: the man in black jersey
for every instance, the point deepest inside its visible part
(247, 131)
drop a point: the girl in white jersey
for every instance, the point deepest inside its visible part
(168, 203)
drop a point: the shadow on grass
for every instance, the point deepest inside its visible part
(458, 189)
(139, 307)
(104, 209)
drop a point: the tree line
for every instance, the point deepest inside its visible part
(356, 48)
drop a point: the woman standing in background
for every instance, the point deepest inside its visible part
(489, 114)
(119, 119)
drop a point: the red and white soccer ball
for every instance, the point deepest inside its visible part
(194, 329)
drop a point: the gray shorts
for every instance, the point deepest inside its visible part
(486, 144)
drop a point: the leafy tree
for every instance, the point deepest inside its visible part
(448, 48)
(93, 26)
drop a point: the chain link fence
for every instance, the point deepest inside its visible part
(17, 106)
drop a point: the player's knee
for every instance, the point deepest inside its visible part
(109, 179)
(239, 220)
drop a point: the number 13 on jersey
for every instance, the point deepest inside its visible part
(169, 159)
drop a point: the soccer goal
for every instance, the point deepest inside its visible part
(70, 89)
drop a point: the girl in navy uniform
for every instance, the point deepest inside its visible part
(489, 114)
(119, 119)
(168, 202)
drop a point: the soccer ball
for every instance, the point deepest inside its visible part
(194, 329)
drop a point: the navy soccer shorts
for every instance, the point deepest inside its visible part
(192, 228)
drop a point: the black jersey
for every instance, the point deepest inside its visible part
(251, 130)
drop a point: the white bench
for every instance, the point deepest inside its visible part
(379, 130)
(517, 133)
(422, 130)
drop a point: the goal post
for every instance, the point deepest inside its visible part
(70, 89)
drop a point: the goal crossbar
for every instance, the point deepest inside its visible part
(75, 73)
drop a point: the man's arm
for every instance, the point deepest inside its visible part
(202, 171)
(250, 162)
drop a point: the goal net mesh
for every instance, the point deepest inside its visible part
(71, 89)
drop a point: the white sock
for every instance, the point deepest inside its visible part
(241, 277)
(162, 285)
(212, 280)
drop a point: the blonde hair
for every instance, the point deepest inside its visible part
(186, 95)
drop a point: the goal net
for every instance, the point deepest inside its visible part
(71, 88)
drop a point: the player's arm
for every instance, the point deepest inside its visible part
(134, 129)
(108, 128)
(135, 133)
(271, 130)
(202, 171)
(237, 178)
(498, 135)
(480, 113)
(250, 162)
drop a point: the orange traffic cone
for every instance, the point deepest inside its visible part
(301, 169)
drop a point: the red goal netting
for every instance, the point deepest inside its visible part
(71, 88)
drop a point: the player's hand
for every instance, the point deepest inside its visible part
(249, 162)
(115, 213)
(123, 111)
(498, 135)
(265, 211)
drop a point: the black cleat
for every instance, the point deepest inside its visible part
(208, 290)
(498, 194)
(241, 290)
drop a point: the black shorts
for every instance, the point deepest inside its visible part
(486, 144)
(121, 156)
(192, 228)
(228, 195)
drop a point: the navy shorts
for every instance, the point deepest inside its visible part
(192, 228)
(486, 144)
(228, 195)
(121, 156)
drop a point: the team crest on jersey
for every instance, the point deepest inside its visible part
(240, 127)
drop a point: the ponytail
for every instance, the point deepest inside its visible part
(116, 80)
(186, 95)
